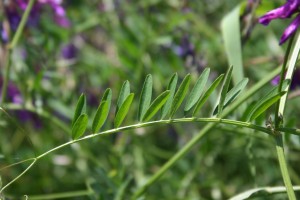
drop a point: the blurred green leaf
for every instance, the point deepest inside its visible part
(79, 126)
(180, 94)
(121, 114)
(197, 90)
(145, 98)
(171, 87)
(156, 105)
(230, 27)
(80, 108)
(208, 92)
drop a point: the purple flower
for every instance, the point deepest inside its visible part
(69, 51)
(285, 11)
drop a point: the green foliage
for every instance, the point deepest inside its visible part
(80, 108)
(224, 90)
(196, 91)
(145, 98)
(180, 94)
(124, 108)
(172, 88)
(156, 105)
(79, 126)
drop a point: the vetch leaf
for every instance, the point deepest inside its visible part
(265, 105)
(79, 126)
(121, 114)
(145, 98)
(125, 91)
(180, 94)
(224, 90)
(107, 97)
(156, 105)
(197, 90)
(100, 117)
(271, 93)
(172, 87)
(233, 93)
(208, 92)
(80, 108)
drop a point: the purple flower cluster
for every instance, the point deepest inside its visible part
(285, 11)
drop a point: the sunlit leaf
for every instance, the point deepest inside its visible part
(145, 98)
(224, 90)
(80, 108)
(180, 94)
(206, 95)
(172, 87)
(125, 91)
(121, 114)
(79, 126)
(265, 105)
(156, 105)
(197, 90)
(107, 97)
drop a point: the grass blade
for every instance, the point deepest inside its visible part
(180, 94)
(224, 90)
(265, 105)
(121, 114)
(80, 108)
(230, 27)
(197, 90)
(233, 93)
(208, 92)
(79, 126)
(145, 98)
(156, 105)
(100, 117)
(125, 91)
(172, 87)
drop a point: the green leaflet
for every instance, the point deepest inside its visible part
(265, 105)
(180, 94)
(208, 92)
(273, 92)
(79, 126)
(172, 87)
(224, 90)
(233, 93)
(197, 90)
(145, 98)
(122, 112)
(107, 96)
(156, 105)
(125, 91)
(100, 117)
(80, 108)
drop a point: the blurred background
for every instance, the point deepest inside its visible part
(73, 47)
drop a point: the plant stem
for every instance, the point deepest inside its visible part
(280, 111)
(140, 125)
(187, 147)
(10, 48)
(61, 195)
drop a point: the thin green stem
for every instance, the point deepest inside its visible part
(62, 195)
(280, 108)
(130, 127)
(187, 147)
(11, 182)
